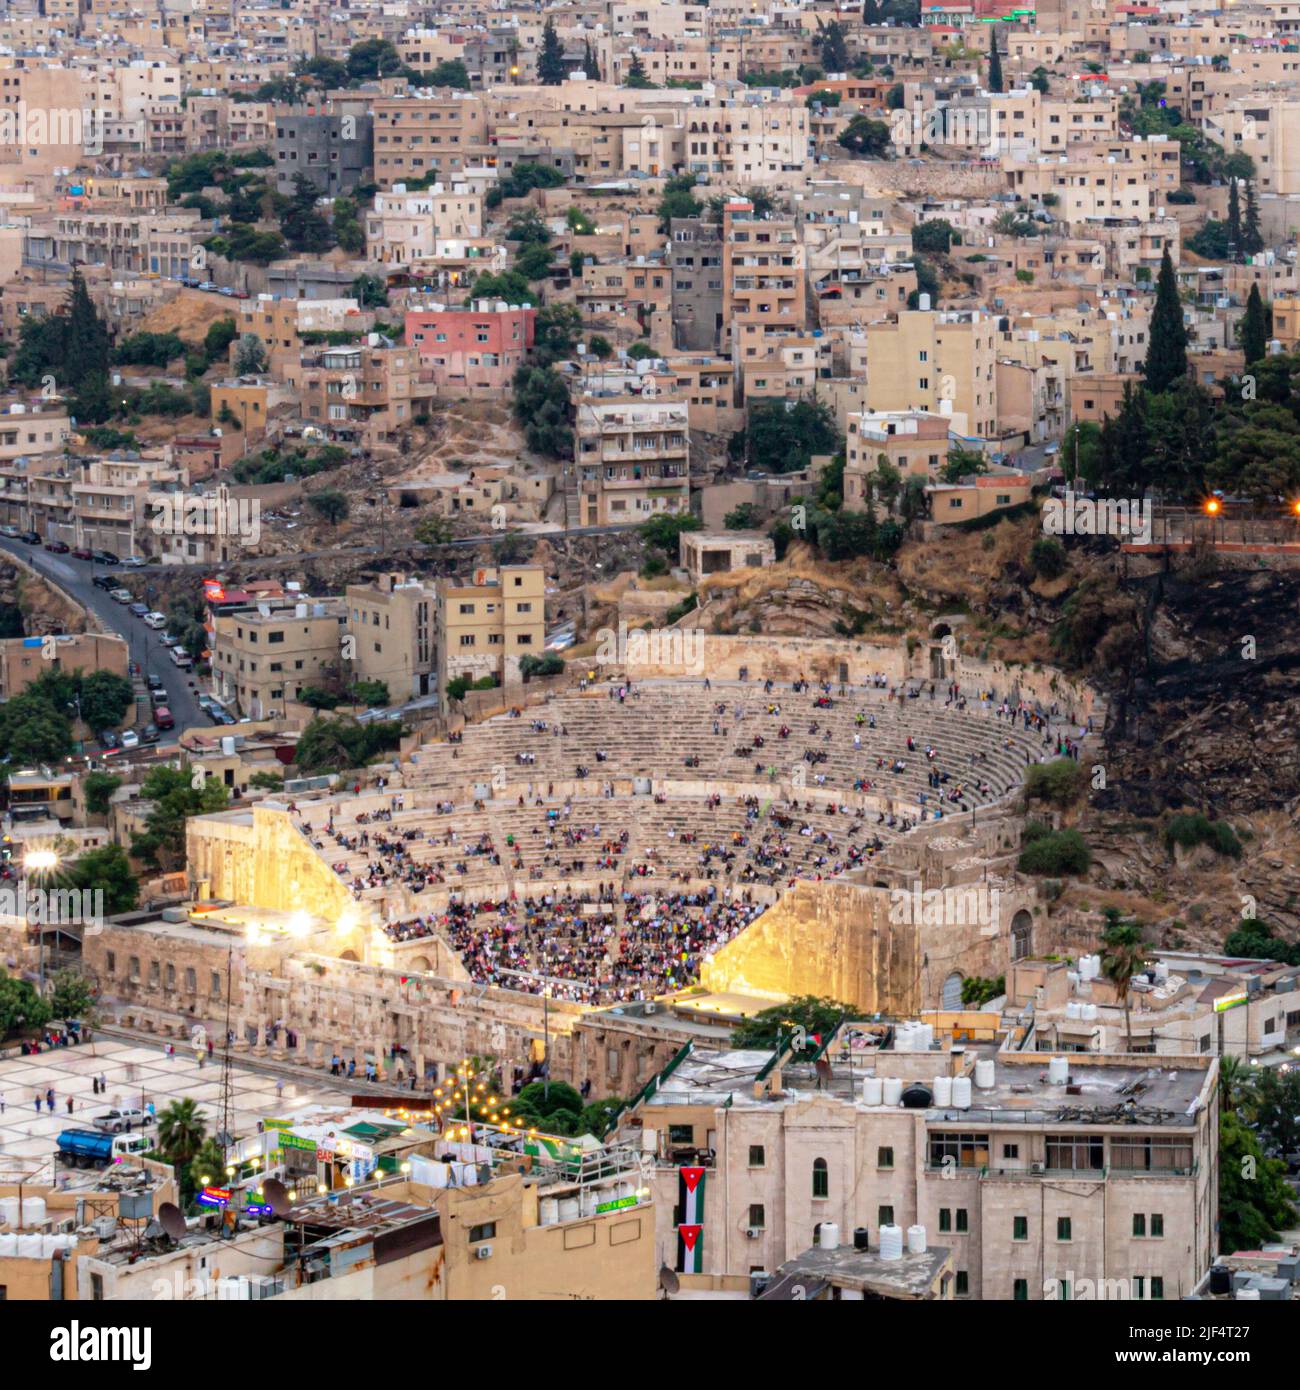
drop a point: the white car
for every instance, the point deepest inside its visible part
(166, 639)
(130, 739)
(135, 562)
(123, 595)
(115, 1121)
(155, 620)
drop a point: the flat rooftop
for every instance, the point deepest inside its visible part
(912, 1276)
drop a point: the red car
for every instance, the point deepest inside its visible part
(58, 547)
(82, 555)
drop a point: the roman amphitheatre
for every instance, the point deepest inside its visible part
(635, 838)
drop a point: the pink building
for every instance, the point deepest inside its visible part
(475, 348)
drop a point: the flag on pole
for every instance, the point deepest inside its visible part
(690, 1249)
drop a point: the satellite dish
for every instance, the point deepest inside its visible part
(172, 1220)
(277, 1197)
(668, 1280)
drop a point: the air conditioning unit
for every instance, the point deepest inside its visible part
(652, 1008)
(484, 1252)
(1035, 1167)
(753, 1233)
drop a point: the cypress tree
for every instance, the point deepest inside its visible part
(1252, 241)
(1167, 348)
(995, 62)
(589, 64)
(551, 67)
(86, 339)
(1234, 221)
(1254, 327)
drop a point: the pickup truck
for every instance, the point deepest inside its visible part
(88, 1148)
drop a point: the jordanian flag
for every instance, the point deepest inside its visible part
(690, 1249)
(690, 1196)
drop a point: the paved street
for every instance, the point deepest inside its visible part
(74, 576)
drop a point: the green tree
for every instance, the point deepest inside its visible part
(329, 504)
(181, 1131)
(1047, 557)
(370, 291)
(807, 1018)
(1234, 221)
(1059, 783)
(250, 356)
(636, 76)
(541, 406)
(590, 65)
(71, 996)
(934, 235)
(1252, 239)
(433, 530)
(995, 62)
(349, 231)
(678, 200)
(99, 788)
(1166, 360)
(834, 50)
(1123, 955)
(782, 440)
(551, 67)
(450, 74)
(1254, 327)
(664, 529)
(866, 137)
(20, 1006)
(963, 463)
(217, 340)
(174, 799)
(304, 226)
(742, 518)
(1254, 1200)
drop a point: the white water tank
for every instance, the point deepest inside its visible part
(926, 1036)
(8, 1211)
(29, 1247)
(33, 1213)
(1162, 972)
(8, 1245)
(1090, 1012)
(829, 1236)
(916, 1240)
(985, 1073)
(942, 1090)
(891, 1242)
(893, 1090)
(588, 1201)
(570, 1209)
(1058, 1071)
(872, 1090)
(548, 1211)
(961, 1092)
(1248, 1295)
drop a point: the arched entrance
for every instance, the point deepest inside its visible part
(952, 991)
(1022, 936)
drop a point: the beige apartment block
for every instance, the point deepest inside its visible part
(763, 271)
(486, 628)
(1266, 126)
(914, 444)
(362, 394)
(936, 362)
(392, 626)
(104, 506)
(24, 431)
(419, 135)
(1103, 1171)
(632, 460)
(403, 227)
(26, 659)
(269, 653)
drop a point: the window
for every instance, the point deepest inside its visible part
(1139, 1287)
(1063, 1293)
(945, 1218)
(884, 1216)
(961, 1150)
(1075, 1152)
(1019, 1228)
(1146, 1153)
(681, 1134)
(963, 1283)
(1063, 1228)
(1011, 1151)
(757, 1216)
(963, 1220)
(757, 1156)
(1157, 1287)
(1021, 1291)
(1157, 1224)
(1139, 1224)
(821, 1178)
(884, 1158)
(484, 1232)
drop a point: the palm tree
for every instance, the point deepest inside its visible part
(1234, 1080)
(181, 1131)
(1123, 956)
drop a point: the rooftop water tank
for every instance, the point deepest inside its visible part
(829, 1236)
(961, 1092)
(872, 1090)
(985, 1073)
(916, 1240)
(943, 1090)
(917, 1097)
(861, 1238)
(893, 1090)
(891, 1242)
(1058, 1071)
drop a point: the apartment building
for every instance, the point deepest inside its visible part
(487, 627)
(121, 241)
(391, 623)
(1097, 1169)
(936, 362)
(695, 264)
(103, 505)
(281, 324)
(632, 459)
(26, 659)
(268, 653)
(762, 271)
(28, 429)
(362, 395)
(334, 149)
(427, 134)
(747, 142)
(406, 227)
(475, 348)
(914, 444)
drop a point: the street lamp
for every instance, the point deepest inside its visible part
(40, 862)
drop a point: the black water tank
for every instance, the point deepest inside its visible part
(1220, 1279)
(861, 1238)
(918, 1097)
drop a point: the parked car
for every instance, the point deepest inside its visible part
(167, 639)
(104, 581)
(155, 620)
(130, 739)
(227, 718)
(181, 657)
(122, 595)
(82, 554)
(155, 682)
(106, 557)
(207, 285)
(162, 716)
(140, 609)
(109, 740)
(58, 547)
(135, 562)
(12, 532)
(30, 537)
(115, 1121)
(149, 734)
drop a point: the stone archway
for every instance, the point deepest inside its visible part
(951, 997)
(1022, 936)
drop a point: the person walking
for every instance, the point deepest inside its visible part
(69, 1105)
